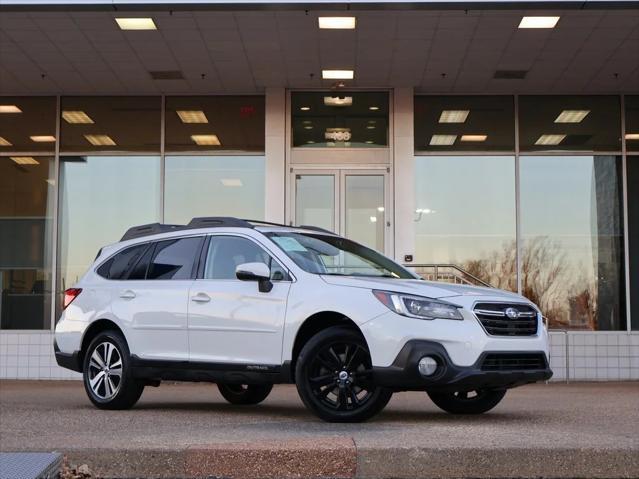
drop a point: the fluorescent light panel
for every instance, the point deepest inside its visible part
(43, 138)
(206, 140)
(5, 142)
(632, 136)
(231, 182)
(538, 22)
(373, 108)
(474, 137)
(572, 116)
(25, 160)
(192, 116)
(305, 108)
(100, 140)
(76, 117)
(338, 74)
(10, 109)
(338, 101)
(442, 140)
(550, 139)
(340, 23)
(136, 23)
(453, 116)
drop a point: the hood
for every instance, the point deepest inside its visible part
(417, 287)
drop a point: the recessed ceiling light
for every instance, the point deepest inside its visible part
(442, 140)
(343, 23)
(474, 137)
(338, 74)
(380, 209)
(538, 22)
(373, 219)
(370, 127)
(4, 142)
(550, 139)
(136, 23)
(373, 108)
(76, 117)
(100, 140)
(10, 109)
(206, 140)
(25, 160)
(42, 138)
(338, 100)
(369, 142)
(308, 127)
(232, 182)
(305, 108)
(192, 116)
(453, 116)
(571, 116)
(632, 136)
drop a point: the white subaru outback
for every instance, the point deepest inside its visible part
(247, 304)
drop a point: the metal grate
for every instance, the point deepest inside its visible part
(507, 319)
(30, 465)
(513, 362)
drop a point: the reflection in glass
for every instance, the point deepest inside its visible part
(465, 216)
(464, 123)
(569, 123)
(632, 171)
(364, 210)
(26, 216)
(315, 201)
(213, 186)
(100, 198)
(572, 240)
(27, 124)
(344, 120)
(631, 103)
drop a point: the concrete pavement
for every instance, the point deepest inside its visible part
(187, 430)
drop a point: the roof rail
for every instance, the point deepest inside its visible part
(218, 221)
(315, 228)
(148, 229)
(269, 223)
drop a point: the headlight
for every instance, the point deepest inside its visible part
(418, 306)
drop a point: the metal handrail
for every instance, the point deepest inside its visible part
(462, 276)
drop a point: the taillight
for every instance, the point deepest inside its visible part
(69, 295)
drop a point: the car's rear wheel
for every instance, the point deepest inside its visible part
(245, 394)
(468, 402)
(107, 374)
(334, 377)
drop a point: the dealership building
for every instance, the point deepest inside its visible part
(493, 144)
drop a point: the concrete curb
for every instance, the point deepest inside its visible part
(337, 457)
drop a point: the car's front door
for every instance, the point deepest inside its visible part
(231, 321)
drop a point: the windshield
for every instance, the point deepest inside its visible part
(333, 255)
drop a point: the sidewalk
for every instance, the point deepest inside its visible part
(588, 430)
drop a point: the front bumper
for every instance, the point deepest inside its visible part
(403, 374)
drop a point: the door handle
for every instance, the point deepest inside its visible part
(128, 294)
(201, 298)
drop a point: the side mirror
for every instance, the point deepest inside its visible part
(255, 272)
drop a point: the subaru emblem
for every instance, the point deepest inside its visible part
(511, 313)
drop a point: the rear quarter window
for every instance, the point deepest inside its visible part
(118, 266)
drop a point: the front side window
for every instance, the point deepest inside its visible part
(174, 259)
(333, 255)
(226, 253)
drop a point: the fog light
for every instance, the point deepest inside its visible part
(427, 366)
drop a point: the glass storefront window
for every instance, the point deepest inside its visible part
(572, 240)
(110, 124)
(213, 186)
(569, 123)
(26, 217)
(27, 124)
(100, 198)
(339, 120)
(632, 171)
(632, 122)
(464, 123)
(209, 123)
(465, 223)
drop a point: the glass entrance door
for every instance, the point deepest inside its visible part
(352, 203)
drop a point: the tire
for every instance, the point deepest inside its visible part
(333, 375)
(482, 401)
(245, 394)
(119, 390)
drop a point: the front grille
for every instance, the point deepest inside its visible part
(497, 323)
(513, 361)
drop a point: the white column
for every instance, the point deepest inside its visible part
(275, 148)
(404, 170)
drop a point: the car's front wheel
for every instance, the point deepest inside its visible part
(333, 375)
(108, 380)
(468, 402)
(245, 394)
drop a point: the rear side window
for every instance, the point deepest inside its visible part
(174, 259)
(118, 266)
(139, 269)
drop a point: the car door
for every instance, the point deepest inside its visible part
(231, 321)
(153, 299)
